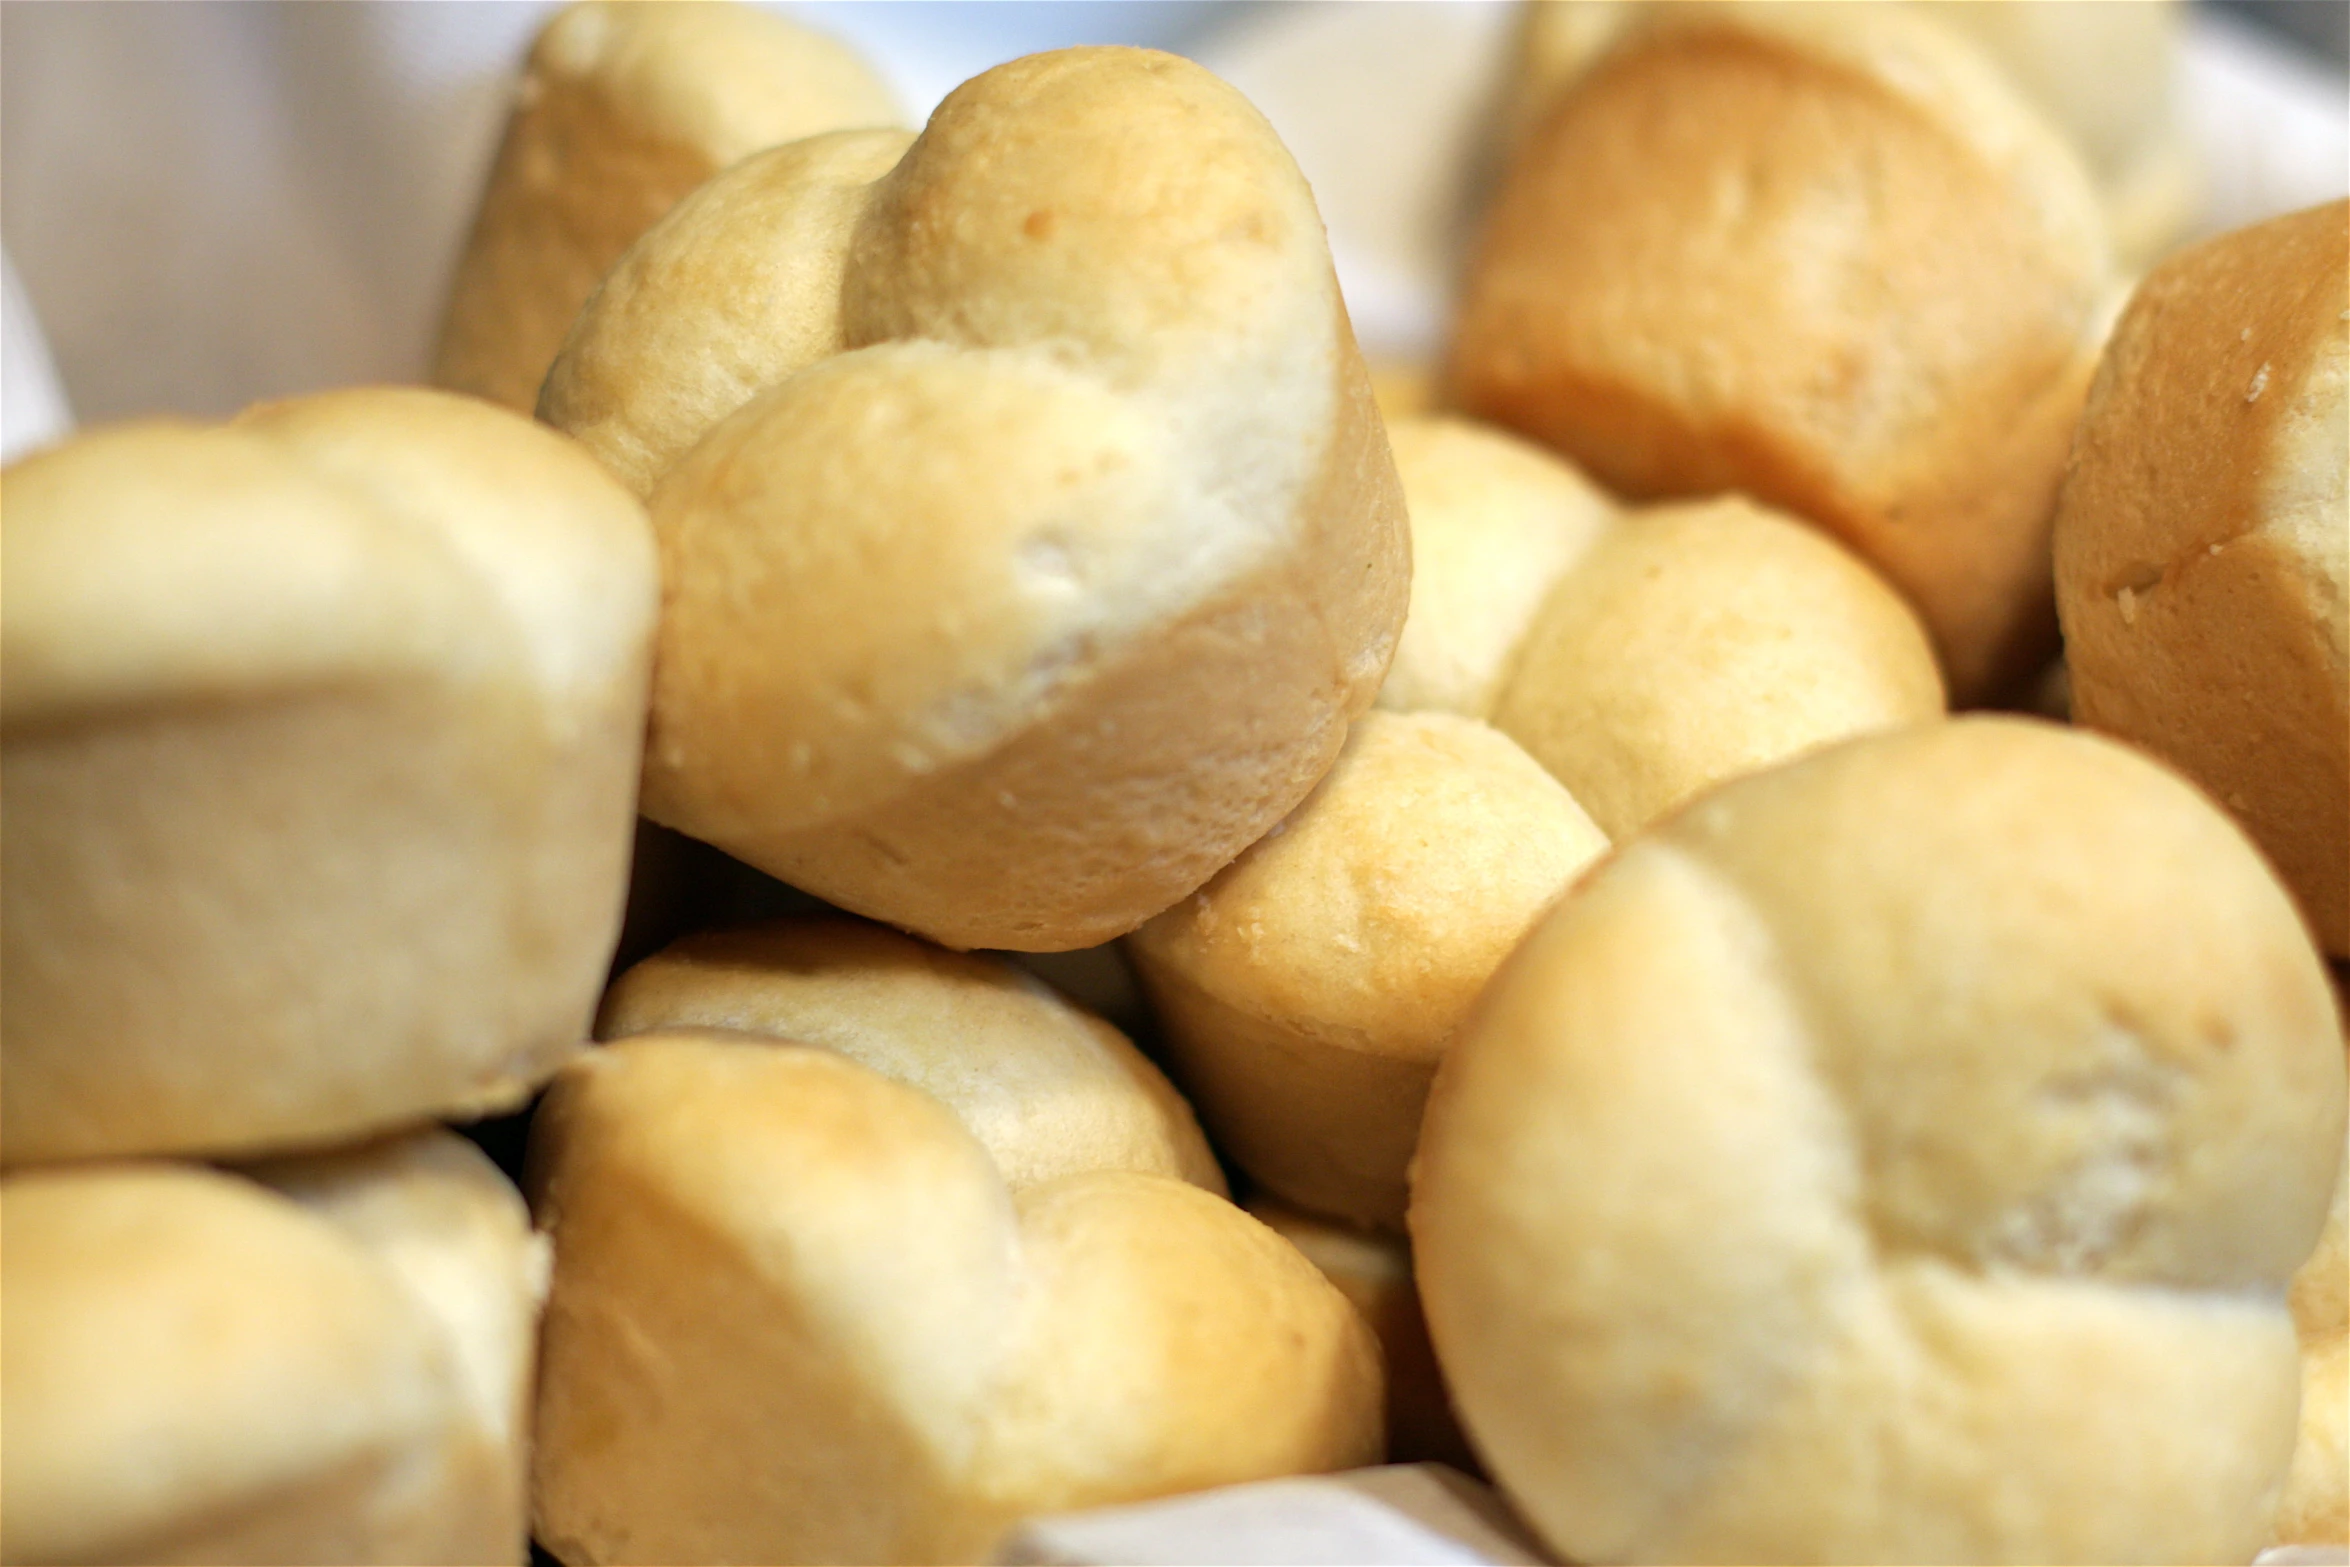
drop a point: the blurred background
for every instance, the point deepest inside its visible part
(2320, 26)
(207, 203)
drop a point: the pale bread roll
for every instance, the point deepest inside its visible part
(1047, 1088)
(2202, 551)
(2105, 75)
(1028, 532)
(624, 106)
(320, 742)
(1824, 255)
(433, 1209)
(800, 1315)
(1373, 1270)
(1896, 1156)
(1495, 523)
(1690, 644)
(2315, 1508)
(199, 1370)
(1308, 991)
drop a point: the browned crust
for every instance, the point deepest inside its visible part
(2189, 629)
(1807, 290)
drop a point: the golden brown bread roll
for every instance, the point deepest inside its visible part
(1028, 533)
(2202, 553)
(1496, 521)
(1896, 1156)
(1694, 643)
(1640, 657)
(2104, 75)
(197, 1369)
(1403, 387)
(624, 106)
(1373, 1270)
(1047, 1088)
(1823, 255)
(800, 1315)
(320, 738)
(1307, 992)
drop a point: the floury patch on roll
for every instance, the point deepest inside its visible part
(1900, 1155)
(957, 1260)
(624, 106)
(1028, 533)
(195, 1368)
(320, 737)
(1823, 255)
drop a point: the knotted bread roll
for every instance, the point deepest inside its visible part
(1896, 1156)
(1308, 991)
(194, 1368)
(877, 1296)
(1028, 532)
(1640, 657)
(320, 740)
(624, 106)
(1823, 255)
(2203, 541)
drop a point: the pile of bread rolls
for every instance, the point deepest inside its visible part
(1663, 1059)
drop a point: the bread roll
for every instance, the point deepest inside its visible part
(453, 1231)
(2107, 76)
(2315, 1509)
(1694, 643)
(1374, 1272)
(800, 1315)
(1028, 532)
(623, 107)
(2104, 75)
(320, 738)
(1495, 523)
(2202, 554)
(1639, 657)
(1307, 992)
(1896, 1156)
(1099, 979)
(198, 1370)
(1048, 1089)
(1823, 255)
